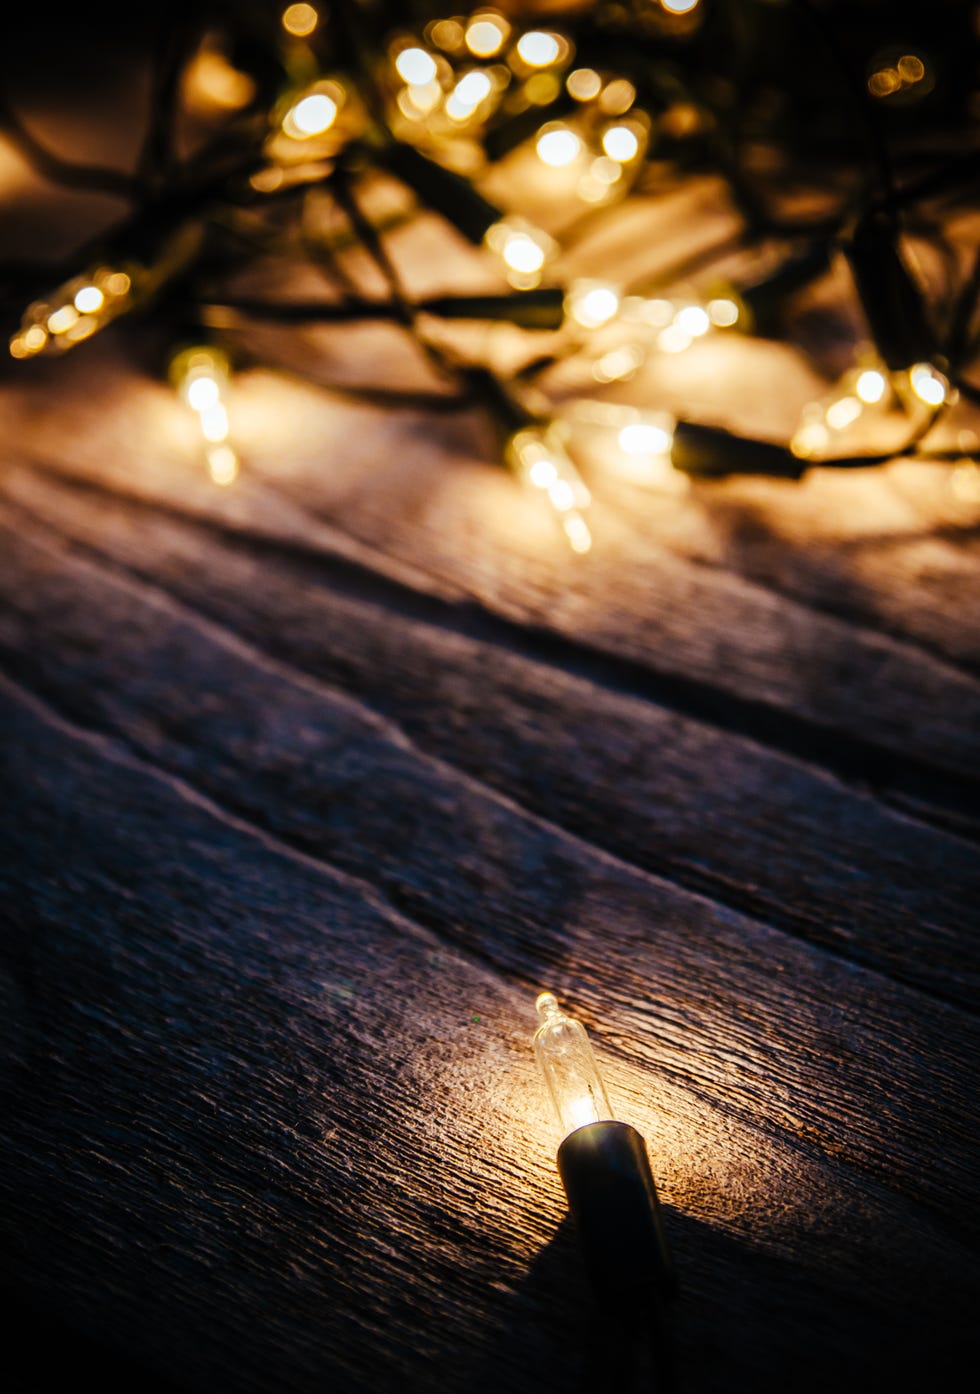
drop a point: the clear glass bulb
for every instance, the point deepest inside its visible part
(565, 1058)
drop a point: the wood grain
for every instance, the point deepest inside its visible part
(310, 785)
(663, 793)
(220, 1081)
(805, 681)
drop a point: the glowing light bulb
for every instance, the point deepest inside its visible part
(583, 84)
(645, 438)
(861, 392)
(871, 386)
(417, 102)
(200, 375)
(605, 1171)
(472, 89)
(693, 320)
(415, 66)
(722, 312)
(211, 83)
(592, 303)
(115, 283)
(222, 464)
(299, 20)
(617, 96)
(843, 413)
(89, 300)
(569, 1067)
(310, 116)
(538, 49)
(926, 381)
(558, 146)
(486, 35)
(811, 439)
(540, 461)
(679, 7)
(214, 422)
(673, 339)
(618, 363)
(598, 184)
(621, 143)
(202, 393)
(523, 249)
(62, 319)
(522, 253)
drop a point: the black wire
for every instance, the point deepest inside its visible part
(179, 33)
(95, 178)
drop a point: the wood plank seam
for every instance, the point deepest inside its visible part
(942, 797)
(117, 750)
(706, 884)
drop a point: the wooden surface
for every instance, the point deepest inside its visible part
(309, 785)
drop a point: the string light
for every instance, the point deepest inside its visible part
(311, 116)
(416, 66)
(540, 461)
(557, 146)
(539, 49)
(584, 84)
(72, 313)
(634, 444)
(200, 376)
(591, 303)
(605, 1170)
(523, 251)
(486, 34)
(866, 391)
(452, 100)
(300, 20)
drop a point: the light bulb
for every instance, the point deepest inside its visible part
(928, 384)
(200, 375)
(869, 394)
(557, 146)
(72, 313)
(569, 1067)
(89, 300)
(871, 386)
(415, 66)
(486, 34)
(621, 144)
(632, 443)
(592, 303)
(540, 461)
(310, 116)
(539, 49)
(605, 1171)
(523, 249)
(299, 20)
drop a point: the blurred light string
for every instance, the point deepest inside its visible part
(302, 101)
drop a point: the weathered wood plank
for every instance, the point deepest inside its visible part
(720, 815)
(305, 1175)
(334, 780)
(355, 758)
(895, 551)
(806, 682)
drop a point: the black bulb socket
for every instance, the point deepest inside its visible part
(709, 452)
(611, 1193)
